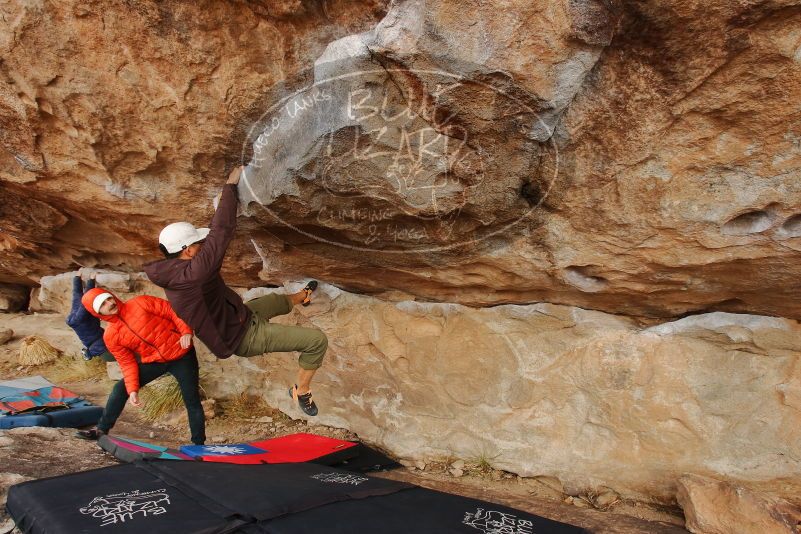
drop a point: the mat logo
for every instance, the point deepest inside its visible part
(340, 478)
(122, 507)
(225, 449)
(495, 522)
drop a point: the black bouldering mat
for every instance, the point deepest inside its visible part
(418, 511)
(121, 499)
(365, 460)
(162, 496)
(284, 489)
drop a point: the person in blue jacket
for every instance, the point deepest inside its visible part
(86, 325)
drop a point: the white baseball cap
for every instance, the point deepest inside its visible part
(177, 236)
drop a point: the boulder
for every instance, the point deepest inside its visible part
(713, 506)
(55, 292)
(5, 335)
(589, 398)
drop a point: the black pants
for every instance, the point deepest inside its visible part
(185, 371)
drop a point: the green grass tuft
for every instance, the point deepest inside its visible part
(483, 465)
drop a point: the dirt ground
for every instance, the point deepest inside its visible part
(247, 419)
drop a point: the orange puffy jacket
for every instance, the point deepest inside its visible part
(145, 326)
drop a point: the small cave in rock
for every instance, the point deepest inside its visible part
(532, 192)
(752, 222)
(580, 277)
(792, 226)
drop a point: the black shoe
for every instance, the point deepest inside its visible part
(310, 287)
(92, 434)
(304, 401)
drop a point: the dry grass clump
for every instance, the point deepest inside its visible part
(245, 406)
(73, 368)
(163, 396)
(35, 351)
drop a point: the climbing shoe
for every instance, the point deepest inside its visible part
(304, 401)
(92, 434)
(310, 287)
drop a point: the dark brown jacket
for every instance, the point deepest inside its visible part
(196, 290)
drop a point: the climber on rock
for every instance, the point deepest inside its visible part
(190, 276)
(86, 325)
(148, 340)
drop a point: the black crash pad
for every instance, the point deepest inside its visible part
(163, 496)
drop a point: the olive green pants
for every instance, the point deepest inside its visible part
(263, 336)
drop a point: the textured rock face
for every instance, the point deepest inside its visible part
(551, 390)
(118, 117)
(427, 128)
(55, 292)
(642, 159)
(623, 173)
(587, 153)
(715, 507)
(542, 390)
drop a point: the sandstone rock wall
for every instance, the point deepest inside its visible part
(635, 158)
(552, 390)
(541, 390)
(713, 506)
(629, 168)
(119, 117)
(55, 292)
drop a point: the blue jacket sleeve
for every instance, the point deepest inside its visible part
(77, 293)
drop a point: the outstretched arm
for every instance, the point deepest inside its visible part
(208, 262)
(77, 293)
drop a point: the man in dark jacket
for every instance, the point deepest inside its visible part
(190, 276)
(86, 325)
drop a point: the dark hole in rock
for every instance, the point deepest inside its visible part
(751, 222)
(532, 193)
